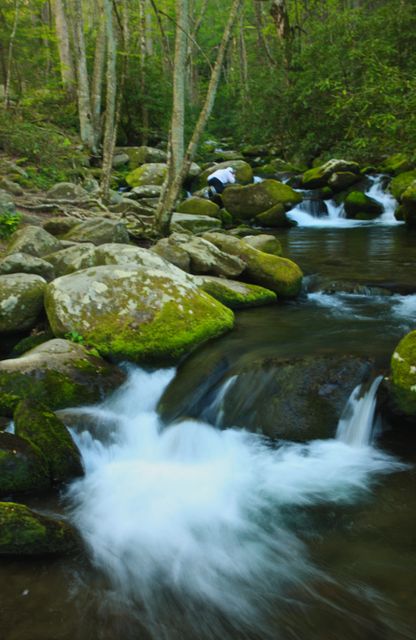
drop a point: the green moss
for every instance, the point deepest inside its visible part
(30, 343)
(42, 428)
(400, 183)
(275, 217)
(22, 466)
(396, 164)
(24, 532)
(237, 295)
(403, 374)
(153, 173)
(245, 203)
(360, 206)
(199, 206)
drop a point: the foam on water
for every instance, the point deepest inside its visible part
(200, 512)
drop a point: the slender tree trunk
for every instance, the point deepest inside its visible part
(179, 80)
(98, 76)
(64, 48)
(125, 32)
(280, 17)
(143, 60)
(261, 40)
(84, 101)
(10, 53)
(168, 201)
(111, 90)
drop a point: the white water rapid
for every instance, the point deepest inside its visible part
(303, 214)
(194, 515)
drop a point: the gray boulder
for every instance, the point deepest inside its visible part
(25, 263)
(194, 224)
(266, 243)
(98, 231)
(22, 467)
(33, 240)
(21, 301)
(75, 258)
(67, 191)
(206, 258)
(60, 225)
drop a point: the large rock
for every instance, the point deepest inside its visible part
(243, 172)
(198, 206)
(319, 177)
(234, 294)
(98, 231)
(145, 191)
(173, 253)
(275, 218)
(39, 426)
(362, 207)
(131, 312)
(409, 205)
(194, 224)
(80, 256)
(244, 203)
(266, 243)
(24, 532)
(58, 373)
(124, 254)
(400, 183)
(33, 240)
(21, 301)
(143, 155)
(59, 225)
(396, 164)
(11, 187)
(67, 191)
(403, 376)
(206, 258)
(6, 203)
(152, 173)
(25, 263)
(281, 275)
(22, 467)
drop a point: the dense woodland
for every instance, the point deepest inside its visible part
(315, 78)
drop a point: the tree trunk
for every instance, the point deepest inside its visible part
(280, 17)
(261, 40)
(167, 203)
(98, 76)
(64, 48)
(10, 53)
(83, 90)
(143, 58)
(179, 81)
(111, 89)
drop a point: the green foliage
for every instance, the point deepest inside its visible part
(74, 336)
(9, 222)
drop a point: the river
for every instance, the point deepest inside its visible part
(192, 531)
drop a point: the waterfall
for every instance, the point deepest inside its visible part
(355, 426)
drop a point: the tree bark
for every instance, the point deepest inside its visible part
(111, 90)
(10, 54)
(143, 60)
(280, 17)
(170, 197)
(98, 76)
(64, 48)
(177, 135)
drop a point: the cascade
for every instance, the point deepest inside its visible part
(355, 426)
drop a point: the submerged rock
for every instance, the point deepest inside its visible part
(135, 313)
(58, 373)
(21, 301)
(24, 532)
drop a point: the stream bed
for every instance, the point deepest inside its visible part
(193, 532)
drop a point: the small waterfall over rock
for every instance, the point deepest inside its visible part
(355, 426)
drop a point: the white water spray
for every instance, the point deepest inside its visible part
(356, 423)
(201, 514)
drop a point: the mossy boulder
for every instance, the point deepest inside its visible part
(135, 313)
(11, 187)
(397, 164)
(280, 275)
(275, 218)
(403, 376)
(243, 172)
(98, 231)
(153, 191)
(152, 173)
(22, 466)
(266, 243)
(39, 426)
(24, 532)
(173, 253)
(60, 225)
(124, 254)
(33, 240)
(359, 205)
(199, 206)
(21, 301)
(142, 155)
(193, 224)
(80, 256)
(245, 203)
(400, 183)
(67, 191)
(58, 373)
(6, 203)
(234, 294)
(25, 263)
(342, 180)
(409, 205)
(319, 177)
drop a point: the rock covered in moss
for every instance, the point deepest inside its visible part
(34, 241)
(266, 243)
(234, 294)
(281, 275)
(409, 205)
(243, 172)
(39, 426)
(275, 218)
(244, 203)
(66, 191)
(6, 202)
(124, 254)
(11, 187)
(359, 205)
(400, 183)
(98, 231)
(173, 253)
(403, 375)
(319, 177)
(397, 164)
(58, 373)
(193, 224)
(60, 225)
(22, 467)
(150, 173)
(145, 191)
(25, 263)
(342, 180)
(24, 532)
(198, 206)
(143, 155)
(21, 301)
(79, 256)
(135, 313)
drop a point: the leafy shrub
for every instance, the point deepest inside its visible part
(9, 221)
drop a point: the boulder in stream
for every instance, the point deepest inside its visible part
(234, 294)
(246, 202)
(319, 177)
(403, 377)
(23, 468)
(361, 207)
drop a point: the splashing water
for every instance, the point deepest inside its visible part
(200, 515)
(356, 423)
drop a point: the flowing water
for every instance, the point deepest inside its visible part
(193, 532)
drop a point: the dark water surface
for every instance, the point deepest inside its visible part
(363, 553)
